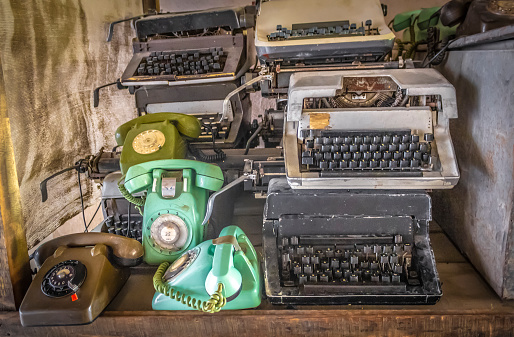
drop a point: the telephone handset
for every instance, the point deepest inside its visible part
(79, 275)
(217, 274)
(175, 204)
(155, 136)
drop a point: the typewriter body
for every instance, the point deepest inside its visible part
(321, 32)
(189, 63)
(372, 129)
(191, 47)
(348, 247)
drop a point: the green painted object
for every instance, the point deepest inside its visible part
(155, 136)
(198, 274)
(172, 221)
(419, 21)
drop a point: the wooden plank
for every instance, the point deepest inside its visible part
(277, 323)
(15, 274)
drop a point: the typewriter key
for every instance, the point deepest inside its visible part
(345, 264)
(323, 278)
(297, 269)
(307, 269)
(338, 253)
(294, 240)
(373, 265)
(357, 155)
(373, 148)
(313, 278)
(302, 279)
(397, 268)
(324, 264)
(429, 137)
(363, 147)
(334, 263)
(300, 250)
(338, 274)
(345, 148)
(354, 278)
(309, 249)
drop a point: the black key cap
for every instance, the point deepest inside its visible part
(343, 164)
(407, 155)
(393, 147)
(405, 138)
(366, 155)
(334, 148)
(323, 164)
(364, 147)
(337, 156)
(332, 165)
(383, 147)
(418, 155)
(357, 155)
(327, 156)
(377, 155)
(373, 147)
(345, 148)
(413, 146)
(354, 148)
(403, 147)
(387, 155)
(347, 156)
(414, 163)
(404, 163)
(415, 138)
(327, 141)
(429, 137)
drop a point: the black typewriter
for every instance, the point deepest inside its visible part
(348, 247)
(190, 47)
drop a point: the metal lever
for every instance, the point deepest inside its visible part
(245, 176)
(111, 25)
(226, 103)
(96, 92)
(80, 166)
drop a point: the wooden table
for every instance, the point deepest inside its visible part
(468, 308)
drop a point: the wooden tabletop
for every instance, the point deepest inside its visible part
(468, 307)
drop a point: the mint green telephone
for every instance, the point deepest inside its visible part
(217, 274)
(177, 193)
(155, 136)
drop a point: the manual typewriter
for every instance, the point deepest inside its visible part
(189, 63)
(374, 129)
(349, 223)
(191, 47)
(327, 32)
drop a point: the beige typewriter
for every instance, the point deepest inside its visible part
(324, 32)
(370, 129)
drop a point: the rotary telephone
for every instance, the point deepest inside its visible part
(79, 275)
(175, 204)
(155, 136)
(217, 274)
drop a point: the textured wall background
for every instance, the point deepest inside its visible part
(53, 54)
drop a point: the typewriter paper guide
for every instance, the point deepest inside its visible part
(289, 12)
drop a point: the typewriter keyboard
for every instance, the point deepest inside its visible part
(378, 151)
(322, 30)
(190, 62)
(210, 125)
(334, 264)
(124, 228)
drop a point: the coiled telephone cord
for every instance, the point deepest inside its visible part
(212, 305)
(138, 202)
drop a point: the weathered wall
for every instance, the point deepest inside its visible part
(478, 212)
(53, 54)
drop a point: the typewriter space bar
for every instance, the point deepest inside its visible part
(370, 174)
(368, 288)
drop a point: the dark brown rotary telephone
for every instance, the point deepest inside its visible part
(79, 275)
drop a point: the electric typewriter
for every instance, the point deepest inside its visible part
(191, 47)
(324, 32)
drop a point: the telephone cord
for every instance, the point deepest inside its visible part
(138, 202)
(212, 305)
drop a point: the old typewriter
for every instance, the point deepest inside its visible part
(348, 247)
(374, 129)
(349, 223)
(326, 32)
(190, 63)
(206, 102)
(191, 47)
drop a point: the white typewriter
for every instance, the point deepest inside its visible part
(329, 31)
(370, 129)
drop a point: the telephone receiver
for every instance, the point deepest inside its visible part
(79, 275)
(125, 253)
(187, 125)
(219, 274)
(140, 177)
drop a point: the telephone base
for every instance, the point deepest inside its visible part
(102, 283)
(189, 276)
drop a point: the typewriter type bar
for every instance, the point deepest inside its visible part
(386, 129)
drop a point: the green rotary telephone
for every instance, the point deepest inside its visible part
(155, 136)
(219, 274)
(177, 191)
